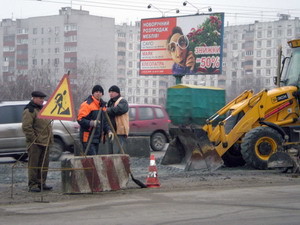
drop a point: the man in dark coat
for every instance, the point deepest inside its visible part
(118, 114)
(39, 136)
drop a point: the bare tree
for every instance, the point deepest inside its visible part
(19, 89)
(89, 73)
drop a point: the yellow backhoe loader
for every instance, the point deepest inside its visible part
(255, 126)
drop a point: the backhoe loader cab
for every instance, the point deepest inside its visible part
(291, 67)
(256, 125)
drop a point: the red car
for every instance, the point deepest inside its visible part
(150, 120)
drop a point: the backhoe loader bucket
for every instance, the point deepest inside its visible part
(194, 148)
(283, 160)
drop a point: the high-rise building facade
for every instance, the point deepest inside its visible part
(250, 59)
(94, 49)
(72, 41)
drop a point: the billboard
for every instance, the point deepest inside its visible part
(182, 45)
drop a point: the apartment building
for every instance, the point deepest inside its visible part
(95, 49)
(250, 57)
(72, 41)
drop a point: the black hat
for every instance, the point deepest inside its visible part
(114, 88)
(97, 88)
(38, 94)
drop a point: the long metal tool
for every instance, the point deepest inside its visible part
(139, 183)
(92, 133)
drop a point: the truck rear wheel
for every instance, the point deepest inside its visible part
(259, 144)
(158, 141)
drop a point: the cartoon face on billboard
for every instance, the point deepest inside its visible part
(182, 45)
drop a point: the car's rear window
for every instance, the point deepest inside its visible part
(146, 113)
(159, 113)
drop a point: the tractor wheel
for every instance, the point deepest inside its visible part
(233, 157)
(259, 144)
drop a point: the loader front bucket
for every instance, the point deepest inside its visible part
(194, 148)
(283, 160)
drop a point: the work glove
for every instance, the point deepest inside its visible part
(102, 103)
(94, 123)
(110, 136)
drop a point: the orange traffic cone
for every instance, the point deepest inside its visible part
(152, 179)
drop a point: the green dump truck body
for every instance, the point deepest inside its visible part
(192, 104)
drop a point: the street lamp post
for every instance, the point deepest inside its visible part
(198, 9)
(162, 12)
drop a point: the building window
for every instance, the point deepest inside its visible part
(258, 63)
(249, 53)
(258, 53)
(233, 75)
(56, 61)
(269, 53)
(259, 44)
(72, 38)
(121, 53)
(34, 30)
(269, 33)
(268, 72)
(122, 44)
(70, 27)
(269, 43)
(259, 34)
(234, 46)
(279, 33)
(258, 73)
(289, 32)
(268, 62)
(34, 62)
(121, 34)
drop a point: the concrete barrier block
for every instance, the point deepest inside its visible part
(138, 146)
(95, 173)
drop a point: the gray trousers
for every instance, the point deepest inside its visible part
(37, 166)
(114, 147)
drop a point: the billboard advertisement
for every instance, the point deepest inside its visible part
(182, 45)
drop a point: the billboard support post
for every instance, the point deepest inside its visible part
(178, 78)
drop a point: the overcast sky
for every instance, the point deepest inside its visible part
(236, 11)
